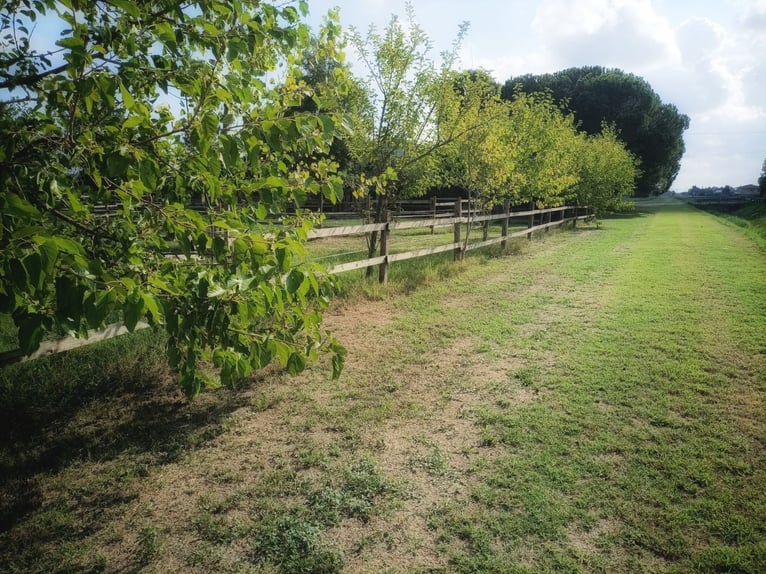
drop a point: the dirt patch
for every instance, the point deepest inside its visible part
(586, 541)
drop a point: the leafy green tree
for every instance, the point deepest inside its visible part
(152, 108)
(543, 142)
(607, 171)
(475, 163)
(652, 131)
(522, 150)
(395, 129)
(762, 179)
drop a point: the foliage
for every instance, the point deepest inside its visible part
(151, 108)
(522, 150)
(544, 144)
(394, 133)
(478, 162)
(651, 130)
(528, 150)
(395, 128)
(607, 171)
(762, 179)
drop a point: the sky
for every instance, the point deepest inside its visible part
(708, 57)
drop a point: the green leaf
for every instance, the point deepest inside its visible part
(15, 206)
(328, 128)
(166, 34)
(153, 306)
(148, 172)
(69, 301)
(31, 333)
(133, 309)
(49, 253)
(127, 6)
(117, 165)
(280, 350)
(338, 360)
(219, 247)
(19, 276)
(34, 266)
(132, 122)
(283, 258)
(127, 99)
(68, 245)
(230, 151)
(296, 363)
(202, 240)
(209, 125)
(98, 306)
(275, 182)
(72, 42)
(294, 280)
(74, 201)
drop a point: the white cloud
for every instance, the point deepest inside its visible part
(627, 34)
(504, 66)
(698, 39)
(756, 15)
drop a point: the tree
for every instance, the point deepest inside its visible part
(520, 150)
(152, 108)
(762, 179)
(607, 171)
(652, 131)
(395, 129)
(477, 162)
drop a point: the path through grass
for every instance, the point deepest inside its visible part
(595, 403)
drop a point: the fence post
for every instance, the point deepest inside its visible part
(504, 229)
(433, 211)
(547, 219)
(383, 270)
(457, 227)
(531, 220)
(576, 213)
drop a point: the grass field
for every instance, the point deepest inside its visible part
(593, 403)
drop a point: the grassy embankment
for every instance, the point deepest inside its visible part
(594, 403)
(752, 220)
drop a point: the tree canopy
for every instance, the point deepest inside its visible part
(652, 131)
(149, 150)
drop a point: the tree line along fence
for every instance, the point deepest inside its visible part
(441, 213)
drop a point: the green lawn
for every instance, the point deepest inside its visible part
(593, 403)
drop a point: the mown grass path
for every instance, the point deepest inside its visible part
(595, 403)
(645, 449)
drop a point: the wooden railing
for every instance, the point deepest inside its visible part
(565, 214)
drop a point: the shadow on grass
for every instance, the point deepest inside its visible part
(114, 404)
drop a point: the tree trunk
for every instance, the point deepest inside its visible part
(380, 209)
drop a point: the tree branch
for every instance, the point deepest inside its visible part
(26, 81)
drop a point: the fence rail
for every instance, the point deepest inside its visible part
(457, 220)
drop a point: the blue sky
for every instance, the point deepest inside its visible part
(708, 57)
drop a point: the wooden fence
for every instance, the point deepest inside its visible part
(457, 219)
(439, 218)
